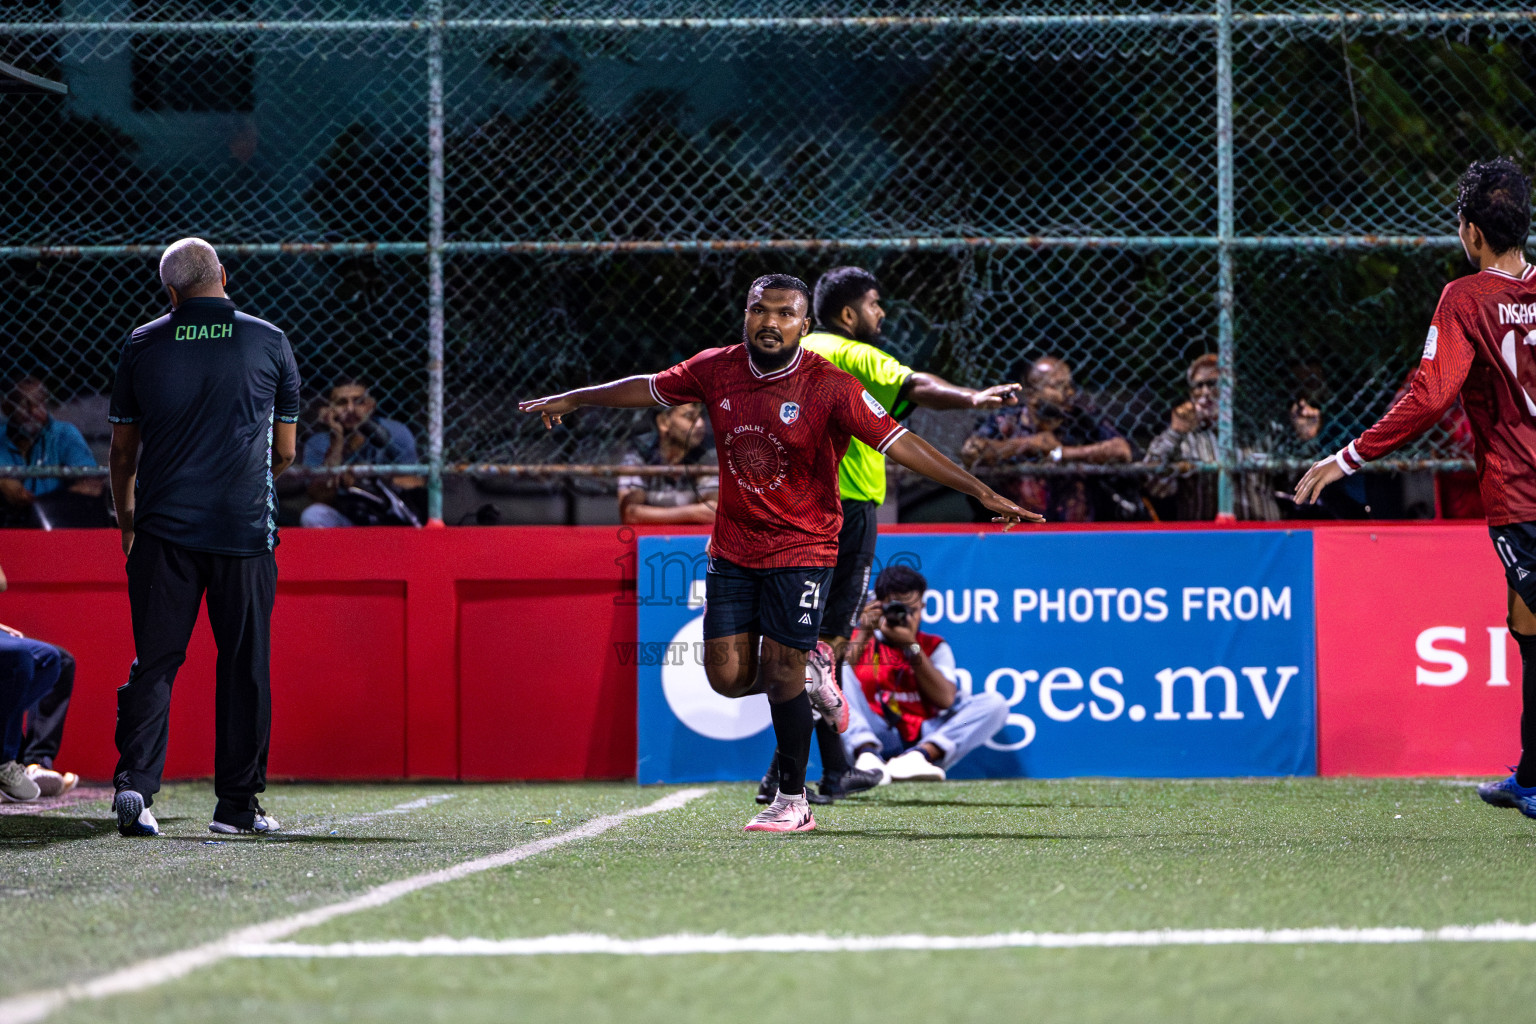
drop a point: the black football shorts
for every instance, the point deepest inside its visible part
(784, 605)
(1516, 547)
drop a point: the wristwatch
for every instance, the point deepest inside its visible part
(1056, 454)
(913, 650)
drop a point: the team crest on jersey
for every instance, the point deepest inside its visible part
(789, 412)
(874, 406)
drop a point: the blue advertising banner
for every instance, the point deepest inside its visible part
(1161, 654)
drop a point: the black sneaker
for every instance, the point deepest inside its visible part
(133, 818)
(769, 787)
(850, 783)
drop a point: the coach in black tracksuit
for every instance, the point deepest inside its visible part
(213, 395)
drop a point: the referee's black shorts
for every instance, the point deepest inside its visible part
(850, 578)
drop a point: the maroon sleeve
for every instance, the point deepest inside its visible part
(1448, 353)
(682, 383)
(860, 415)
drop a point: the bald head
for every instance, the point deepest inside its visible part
(1044, 367)
(189, 268)
(1048, 385)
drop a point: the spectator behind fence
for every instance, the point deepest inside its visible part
(349, 434)
(33, 437)
(680, 440)
(1052, 427)
(909, 721)
(1191, 437)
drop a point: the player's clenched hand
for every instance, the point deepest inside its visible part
(1008, 512)
(551, 408)
(9, 631)
(1319, 476)
(996, 397)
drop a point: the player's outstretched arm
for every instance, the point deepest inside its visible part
(918, 455)
(1448, 356)
(931, 391)
(1319, 476)
(629, 393)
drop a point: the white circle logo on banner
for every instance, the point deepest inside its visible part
(701, 708)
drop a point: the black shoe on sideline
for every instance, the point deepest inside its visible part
(850, 783)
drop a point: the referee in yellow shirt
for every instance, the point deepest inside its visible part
(848, 318)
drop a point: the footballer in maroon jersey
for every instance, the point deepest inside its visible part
(1480, 346)
(782, 418)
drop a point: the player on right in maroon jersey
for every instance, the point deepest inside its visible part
(782, 418)
(1481, 344)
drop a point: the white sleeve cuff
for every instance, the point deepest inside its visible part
(890, 439)
(656, 395)
(1349, 459)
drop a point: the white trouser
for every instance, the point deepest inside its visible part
(965, 725)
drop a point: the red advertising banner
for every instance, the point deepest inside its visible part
(1416, 672)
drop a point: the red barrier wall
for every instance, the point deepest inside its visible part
(1389, 602)
(475, 654)
(488, 653)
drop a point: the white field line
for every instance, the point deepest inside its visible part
(405, 808)
(675, 945)
(35, 1006)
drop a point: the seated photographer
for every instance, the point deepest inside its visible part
(41, 728)
(33, 437)
(909, 720)
(351, 435)
(680, 440)
(28, 670)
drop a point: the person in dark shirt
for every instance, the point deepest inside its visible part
(32, 437)
(1052, 426)
(679, 440)
(212, 394)
(351, 435)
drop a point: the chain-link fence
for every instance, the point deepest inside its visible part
(464, 205)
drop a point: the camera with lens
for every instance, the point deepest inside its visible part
(895, 613)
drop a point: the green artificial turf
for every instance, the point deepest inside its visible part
(951, 859)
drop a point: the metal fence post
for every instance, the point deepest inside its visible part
(435, 262)
(1225, 449)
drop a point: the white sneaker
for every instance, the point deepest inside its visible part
(50, 782)
(822, 688)
(15, 784)
(262, 825)
(913, 767)
(785, 814)
(869, 761)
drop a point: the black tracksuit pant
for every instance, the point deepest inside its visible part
(45, 722)
(166, 584)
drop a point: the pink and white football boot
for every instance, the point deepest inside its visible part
(785, 814)
(821, 686)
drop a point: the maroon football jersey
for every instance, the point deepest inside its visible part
(1480, 343)
(780, 437)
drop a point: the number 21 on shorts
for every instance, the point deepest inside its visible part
(812, 596)
(1505, 549)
